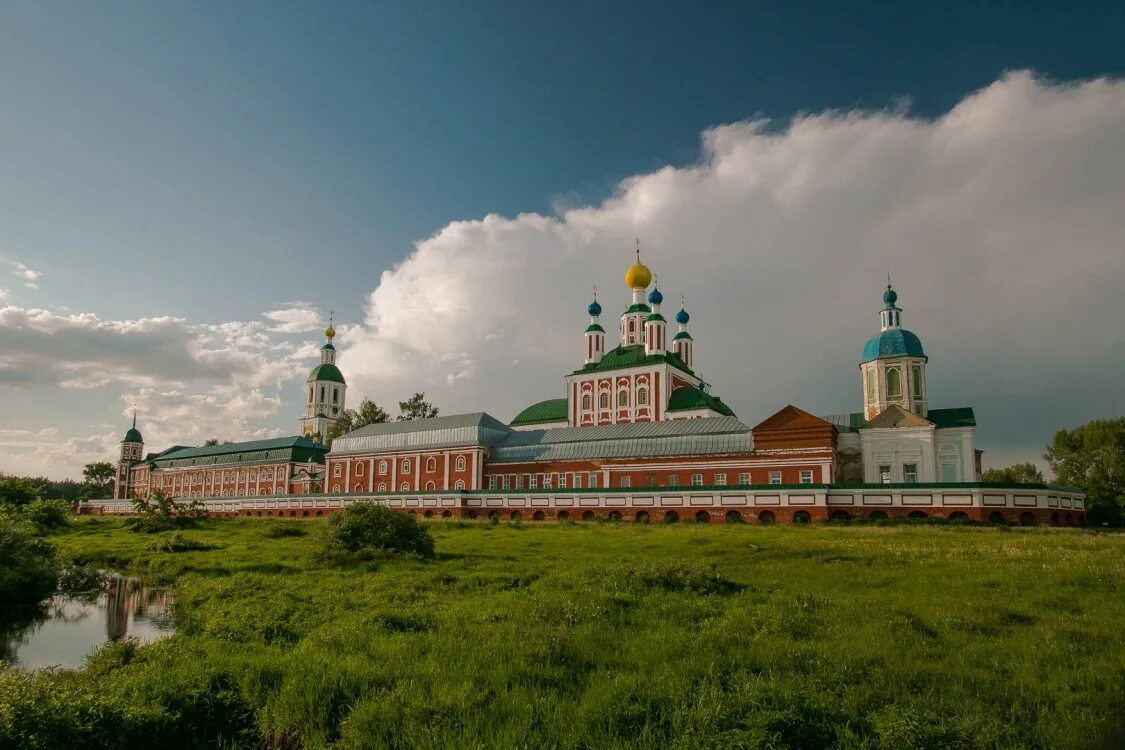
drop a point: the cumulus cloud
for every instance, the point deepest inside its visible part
(1000, 222)
(29, 276)
(296, 317)
(40, 347)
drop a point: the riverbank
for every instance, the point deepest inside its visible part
(604, 635)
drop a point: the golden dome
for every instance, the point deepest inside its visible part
(329, 331)
(638, 276)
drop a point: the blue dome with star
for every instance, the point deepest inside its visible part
(655, 297)
(682, 317)
(594, 309)
(893, 342)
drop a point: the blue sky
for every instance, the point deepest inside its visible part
(211, 162)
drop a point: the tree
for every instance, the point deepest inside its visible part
(98, 482)
(352, 419)
(210, 441)
(368, 527)
(1025, 473)
(19, 491)
(416, 407)
(1092, 458)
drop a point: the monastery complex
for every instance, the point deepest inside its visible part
(636, 435)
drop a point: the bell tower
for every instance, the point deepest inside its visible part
(132, 451)
(325, 391)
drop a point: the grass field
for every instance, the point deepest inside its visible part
(606, 635)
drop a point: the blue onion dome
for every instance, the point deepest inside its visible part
(890, 296)
(655, 297)
(682, 317)
(594, 309)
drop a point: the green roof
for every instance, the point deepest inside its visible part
(133, 436)
(686, 398)
(655, 316)
(682, 335)
(544, 412)
(293, 448)
(594, 327)
(326, 371)
(638, 307)
(961, 416)
(633, 356)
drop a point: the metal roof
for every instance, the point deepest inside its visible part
(451, 431)
(959, 416)
(638, 440)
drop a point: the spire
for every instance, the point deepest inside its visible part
(134, 417)
(890, 316)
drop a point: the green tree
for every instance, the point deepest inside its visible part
(27, 562)
(1092, 457)
(368, 527)
(98, 482)
(19, 491)
(416, 407)
(1024, 473)
(210, 441)
(352, 419)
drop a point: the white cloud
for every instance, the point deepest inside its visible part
(39, 347)
(1000, 222)
(30, 277)
(297, 317)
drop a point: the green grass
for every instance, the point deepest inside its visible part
(605, 635)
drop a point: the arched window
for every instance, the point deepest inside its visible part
(336, 488)
(431, 464)
(430, 486)
(405, 487)
(642, 397)
(359, 470)
(382, 486)
(603, 400)
(460, 485)
(406, 466)
(623, 397)
(916, 376)
(894, 383)
(335, 395)
(382, 467)
(870, 377)
(322, 393)
(587, 402)
(460, 463)
(310, 394)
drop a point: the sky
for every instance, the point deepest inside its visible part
(186, 190)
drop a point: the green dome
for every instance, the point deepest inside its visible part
(133, 436)
(326, 371)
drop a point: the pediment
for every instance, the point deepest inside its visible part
(895, 416)
(791, 418)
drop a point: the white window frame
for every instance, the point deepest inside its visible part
(775, 477)
(720, 479)
(910, 475)
(744, 477)
(696, 480)
(805, 477)
(460, 463)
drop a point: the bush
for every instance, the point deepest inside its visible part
(283, 529)
(178, 543)
(365, 526)
(161, 513)
(48, 515)
(27, 562)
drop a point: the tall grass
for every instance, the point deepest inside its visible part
(604, 635)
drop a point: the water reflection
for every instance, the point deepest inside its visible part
(64, 629)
